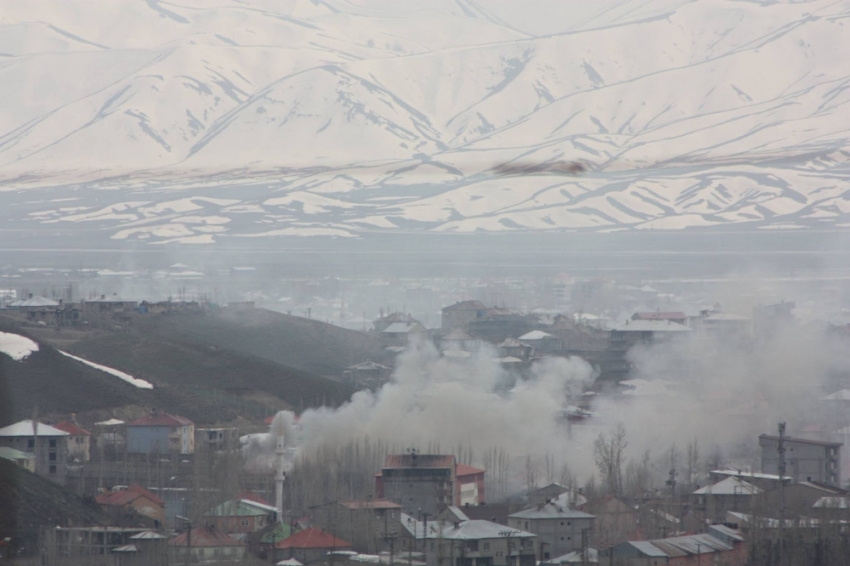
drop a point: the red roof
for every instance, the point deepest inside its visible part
(464, 470)
(205, 536)
(249, 495)
(136, 488)
(313, 537)
(72, 428)
(659, 316)
(161, 419)
(121, 498)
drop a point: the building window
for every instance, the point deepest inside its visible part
(52, 456)
(526, 525)
(486, 546)
(53, 443)
(52, 469)
(30, 443)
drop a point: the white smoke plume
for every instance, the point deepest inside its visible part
(447, 401)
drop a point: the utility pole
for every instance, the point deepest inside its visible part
(780, 448)
(507, 534)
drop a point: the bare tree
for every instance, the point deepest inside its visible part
(609, 454)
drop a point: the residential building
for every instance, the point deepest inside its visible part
(26, 460)
(513, 348)
(206, 545)
(382, 323)
(681, 550)
(805, 460)
(457, 339)
(218, 439)
(731, 494)
(766, 482)
(402, 333)
(309, 546)
(78, 440)
(369, 375)
(125, 506)
(459, 315)
(365, 523)
(542, 341)
(545, 494)
(420, 483)
(646, 332)
(799, 497)
(559, 529)
(588, 556)
(240, 516)
(677, 317)
(469, 486)
(767, 317)
(46, 443)
(456, 540)
(161, 433)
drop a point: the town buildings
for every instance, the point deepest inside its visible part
(161, 433)
(309, 546)
(78, 441)
(46, 443)
(805, 460)
(205, 545)
(125, 506)
(559, 529)
(420, 483)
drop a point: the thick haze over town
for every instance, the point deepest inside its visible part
(436, 282)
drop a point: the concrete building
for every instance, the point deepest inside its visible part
(205, 545)
(731, 494)
(161, 433)
(805, 460)
(309, 546)
(456, 540)
(461, 314)
(46, 443)
(420, 483)
(241, 516)
(364, 523)
(767, 317)
(677, 317)
(218, 439)
(125, 506)
(78, 441)
(382, 323)
(469, 486)
(634, 332)
(559, 529)
(402, 333)
(26, 460)
(683, 550)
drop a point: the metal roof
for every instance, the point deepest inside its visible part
(574, 557)
(403, 328)
(12, 454)
(551, 511)
(148, 535)
(472, 530)
(832, 503)
(420, 461)
(647, 548)
(535, 335)
(729, 486)
(34, 302)
(691, 545)
(239, 508)
(651, 326)
(25, 428)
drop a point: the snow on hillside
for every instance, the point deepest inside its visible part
(188, 123)
(140, 383)
(16, 346)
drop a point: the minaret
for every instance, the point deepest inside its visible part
(280, 475)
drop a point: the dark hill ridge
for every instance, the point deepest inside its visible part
(28, 501)
(308, 345)
(170, 359)
(204, 383)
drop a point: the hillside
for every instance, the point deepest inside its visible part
(30, 502)
(206, 384)
(175, 351)
(254, 120)
(307, 345)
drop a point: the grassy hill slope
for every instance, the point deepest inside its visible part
(29, 501)
(308, 345)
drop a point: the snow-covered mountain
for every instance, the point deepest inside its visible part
(192, 121)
